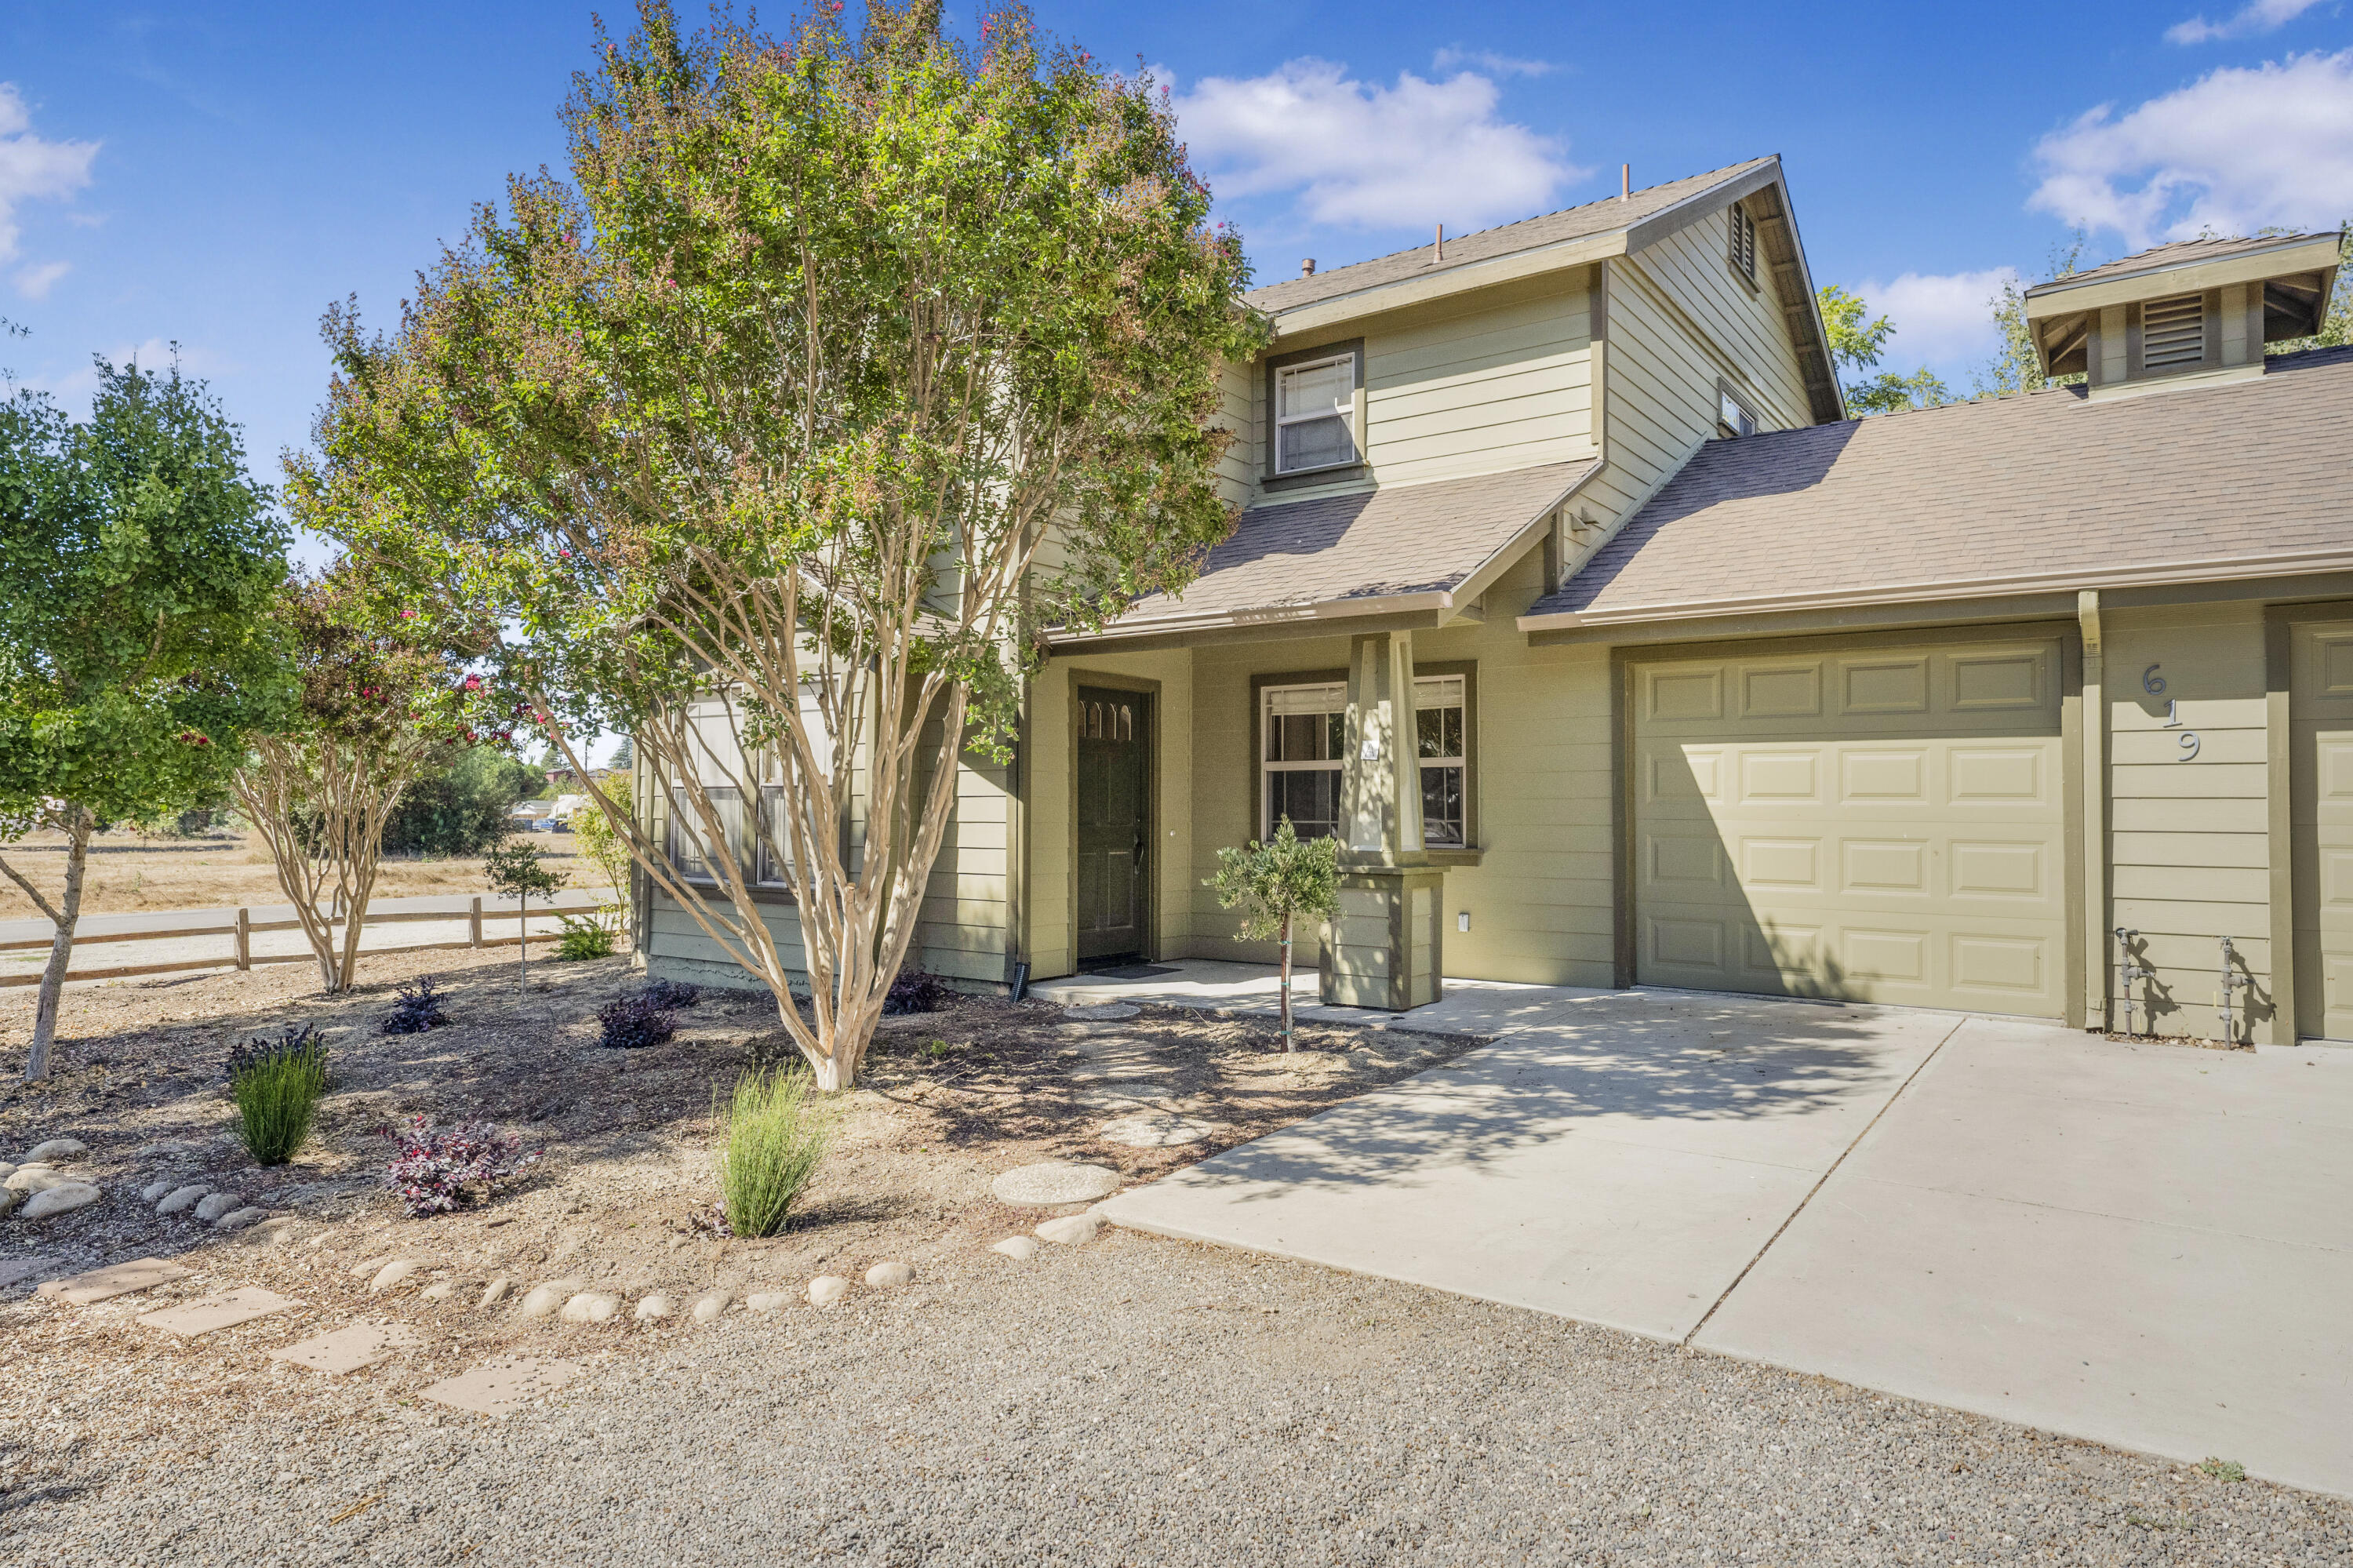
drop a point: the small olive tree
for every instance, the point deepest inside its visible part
(137, 566)
(849, 363)
(382, 701)
(1275, 884)
(513, 871)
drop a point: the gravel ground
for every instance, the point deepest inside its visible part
(1133, 1400)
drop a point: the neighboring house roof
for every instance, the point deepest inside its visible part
(1403, 547)
(1605, 217)
(2180, 253)
(2045, 491)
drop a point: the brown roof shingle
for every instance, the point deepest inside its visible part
(1406, 539)
(1604, 217)
(2050, 489)
(2180, 253)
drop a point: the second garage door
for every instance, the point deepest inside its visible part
(1881, 824)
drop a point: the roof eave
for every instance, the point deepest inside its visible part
(1441, 600)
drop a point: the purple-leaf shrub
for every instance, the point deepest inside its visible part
(433, 1168)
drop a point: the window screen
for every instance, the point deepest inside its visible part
(1313, 415)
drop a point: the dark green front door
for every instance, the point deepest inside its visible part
(1114, 824)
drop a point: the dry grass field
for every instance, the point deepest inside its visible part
(131, 871)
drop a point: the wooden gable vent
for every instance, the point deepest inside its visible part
(2173, 331)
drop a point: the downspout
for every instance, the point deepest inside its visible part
(2096, 968)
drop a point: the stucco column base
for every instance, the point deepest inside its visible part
(1386, 949)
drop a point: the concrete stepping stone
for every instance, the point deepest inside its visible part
(502, 1386)
(33, 1179)
(1021, 1249)
(181, 1198)
(828, 1290)
(392, 1274)
(444, 1290)
(212, 1208)
(1073, 1230)
(240, 1219)
(653, 1309)
(14, 1269)
(711, 1304)
(889, 1276)
(1155, 1129)
(215, 1312)
(496, 1291)
(1053, 1183)
(55, 1148)
(155, 1190)
(62, 1199)
(1089, 1010)
(114, 1279)
(768, 1300)
(341, 1351)
(544, 1300)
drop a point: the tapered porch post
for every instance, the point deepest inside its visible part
(1386, 949)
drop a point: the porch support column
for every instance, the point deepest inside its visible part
(1385, 950)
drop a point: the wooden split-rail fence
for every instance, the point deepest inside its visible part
(240, 926)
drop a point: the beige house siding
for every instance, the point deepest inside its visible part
(2190, 854)
(1238, 411)
(1737, 328)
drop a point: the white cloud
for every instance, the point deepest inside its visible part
(1940, 317)
(34, 281)
(2232, 151)
(1450, 58)
(32, 169)
(1369, 156)
(2255, 17)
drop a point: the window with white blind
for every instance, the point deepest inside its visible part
(1743, 253)
(2173, 332)
(1315, 414)
(1733, 417)
(688, 852)
(1303, 736)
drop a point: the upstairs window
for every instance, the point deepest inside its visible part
(2173, 332)
(1743, 255)
(1315, 414)
(1733, 417)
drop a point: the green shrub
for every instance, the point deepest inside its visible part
(585, 937)
(775, 1139)
(461, 809)
(277, 1085)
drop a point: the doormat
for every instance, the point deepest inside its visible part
(1132, 972)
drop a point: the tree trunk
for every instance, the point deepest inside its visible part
(53, 978)
(522, 942)
(1286, 981)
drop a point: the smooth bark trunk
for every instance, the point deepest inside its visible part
(1286, 981)
(53, 978)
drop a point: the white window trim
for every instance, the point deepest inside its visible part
(1335, 693)
(1345, 413)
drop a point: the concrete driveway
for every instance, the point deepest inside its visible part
(2147, 1245)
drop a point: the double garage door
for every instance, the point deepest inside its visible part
(1879, 824)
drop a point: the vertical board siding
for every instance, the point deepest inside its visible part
(2189, 839)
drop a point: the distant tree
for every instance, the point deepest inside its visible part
(2016, 366)
(460, 805)
(625, 756)
(851, 361)
(1858, 342)
(138, 564)
(1276, 885)
(382, 694)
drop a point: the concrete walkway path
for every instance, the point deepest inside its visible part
(2147, 1245)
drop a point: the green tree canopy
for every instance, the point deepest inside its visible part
(1858, 342)
(847, 363)
(135, 653)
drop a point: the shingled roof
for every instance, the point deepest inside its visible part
(1604, 217)
(2047, 491)
(1340, 554)
(2180, 253)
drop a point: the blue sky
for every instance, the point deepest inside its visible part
(214, 174)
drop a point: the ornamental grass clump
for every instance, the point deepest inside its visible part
(277, 1085)
(775, 1139)
(436, 1169)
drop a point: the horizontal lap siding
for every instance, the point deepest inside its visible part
(2188, 842)
(963, 933)
(1480, 389)
(1744, 325)
(680, 948)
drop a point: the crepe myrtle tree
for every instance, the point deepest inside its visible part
(138, 563)
(382, 694)
(846, 363)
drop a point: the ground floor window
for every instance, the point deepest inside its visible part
(690, 856)
(1303, 734)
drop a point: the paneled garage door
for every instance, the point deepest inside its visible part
(1884, 824)
(2321, 829)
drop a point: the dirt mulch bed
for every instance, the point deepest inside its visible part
(622, 1196)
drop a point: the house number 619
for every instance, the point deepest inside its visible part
(2154, 685)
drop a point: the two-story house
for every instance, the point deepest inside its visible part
(1564, 595)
